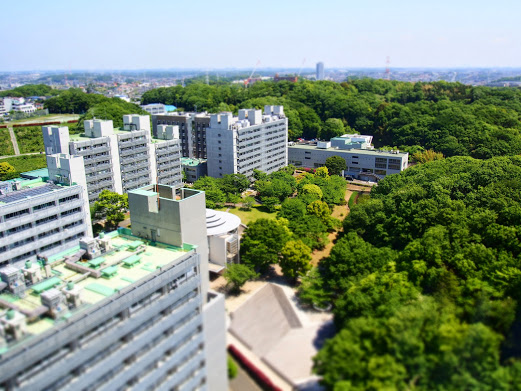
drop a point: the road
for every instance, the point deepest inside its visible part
(14, 142)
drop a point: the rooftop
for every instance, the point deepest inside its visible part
(128, 260)
(186, 161)
(28, 188)
(369, 152)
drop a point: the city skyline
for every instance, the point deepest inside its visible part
(205, 35)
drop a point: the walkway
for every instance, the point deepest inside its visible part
(14, 142)
(340, 212)
(20, 154)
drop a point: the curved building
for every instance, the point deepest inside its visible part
(223, 239)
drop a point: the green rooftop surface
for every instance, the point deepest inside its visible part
(40, 173)
(114, 276)
(186, 161)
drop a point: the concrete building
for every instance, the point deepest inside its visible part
(362, 161)
(194, 168)
(154, 108)
(120, 160)
(192, 131)
(223, 239)
(121, 311)
(238, 145)
(320, 71)
(40, 218)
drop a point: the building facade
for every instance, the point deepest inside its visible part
(120, 160)
(120, 311)
(362, 162)
(154, 108)
(320, 71)
(40, 218)
(238, 145)
(192, 131)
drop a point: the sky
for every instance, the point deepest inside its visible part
(210, 34)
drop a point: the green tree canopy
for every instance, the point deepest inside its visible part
(7, 171)
(295, 259)
(236, 275)
(335, 165)
(111, 207)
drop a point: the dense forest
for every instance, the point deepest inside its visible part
(91, 106)
(425, 282)
(30, 90)
(450, 118)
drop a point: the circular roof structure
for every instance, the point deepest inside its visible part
(218, 223)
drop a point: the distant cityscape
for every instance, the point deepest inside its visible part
(132, 84)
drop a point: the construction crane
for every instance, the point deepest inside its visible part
(247, 81)
(301, 67)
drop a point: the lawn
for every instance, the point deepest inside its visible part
(26, 163)
(256, 212)
(6, 147)
(47, 118)
(29, 139)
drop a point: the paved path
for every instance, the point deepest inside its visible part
(243, 382)
(15, 143)
(20, 154)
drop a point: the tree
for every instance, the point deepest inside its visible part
(234, 183)
(248, 202)
(7, 171)
(333, 127)
(111, 207)
(236, 275)
(262, 242)
(270, 203)
(322, 172)
(312, 190)
(335, 165)
(295, 259)
(427, 156)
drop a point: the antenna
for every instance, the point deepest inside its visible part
(387, 68)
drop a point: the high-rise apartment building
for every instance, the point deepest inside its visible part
(253, 140)
(192, 131)
(320, 71)
(40, 217)
(120, 160)
(128, 310)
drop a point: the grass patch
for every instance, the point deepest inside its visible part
(352, 199)
(6, 146)
(30, 139)
(47, 118)
(256, 212)
(26, 163)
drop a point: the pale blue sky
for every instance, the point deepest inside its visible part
(131, 34)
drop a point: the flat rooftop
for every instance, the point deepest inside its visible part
(371, 152)
(82, 137)
(28, 188)
(186, 161)
(130, 259)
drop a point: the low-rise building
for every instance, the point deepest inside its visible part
(362, 161)
(223, 239)
(194, 168)
(154, 108)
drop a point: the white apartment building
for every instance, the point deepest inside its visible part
(253, 140)
(120, 311)
(120, 160)
(40, 218)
